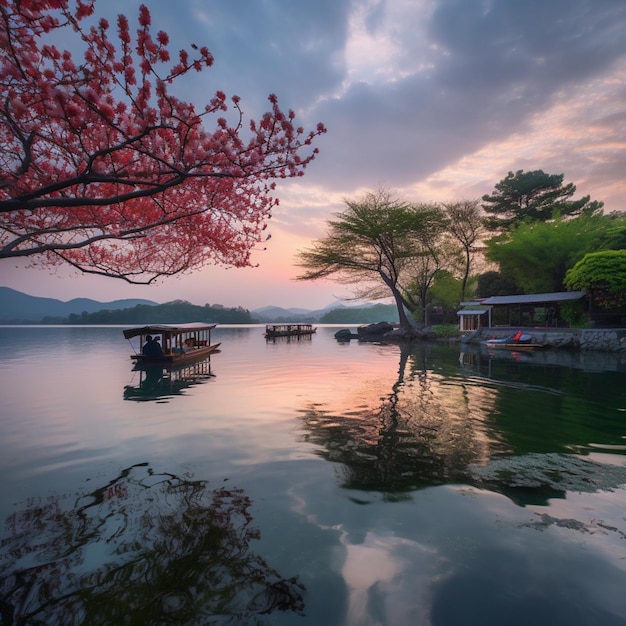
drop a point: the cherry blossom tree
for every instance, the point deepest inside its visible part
(104, 169)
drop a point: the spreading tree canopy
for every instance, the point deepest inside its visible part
(372, 245)
(103, 168)
(466, 225)
(533, 196)
(492, 283)
(435, 252)
(603, 275)
(537, 255)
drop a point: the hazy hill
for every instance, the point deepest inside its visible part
(276, 314)
(335, 313)
(271, 311)
(361, 315)
(18, 308)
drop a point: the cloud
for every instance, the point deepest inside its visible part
(291, 49)
(435, 99)
(406, 88)
(482, 73)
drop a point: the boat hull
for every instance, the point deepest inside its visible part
(176, 359)
(495, 345)
(516, 342)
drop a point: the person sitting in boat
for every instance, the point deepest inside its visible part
(152, 348)
(517, 336)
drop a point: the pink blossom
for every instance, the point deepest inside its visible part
(144, 16)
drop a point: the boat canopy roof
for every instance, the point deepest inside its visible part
(166, 329)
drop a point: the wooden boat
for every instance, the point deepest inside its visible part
(288, 330)
(180, 343)
(518, 341)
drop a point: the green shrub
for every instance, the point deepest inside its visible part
(446, 331)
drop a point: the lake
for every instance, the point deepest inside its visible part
(309, 482)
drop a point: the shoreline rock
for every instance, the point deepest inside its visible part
(384, 331)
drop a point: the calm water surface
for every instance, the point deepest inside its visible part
(309, 482)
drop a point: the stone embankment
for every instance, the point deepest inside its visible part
(598, 339)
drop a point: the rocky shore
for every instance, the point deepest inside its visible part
(585, 339)
(592, 339)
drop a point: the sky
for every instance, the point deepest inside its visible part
(435, 100)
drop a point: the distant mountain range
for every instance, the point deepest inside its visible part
(20, 308)
(335, 313)
(276, 314)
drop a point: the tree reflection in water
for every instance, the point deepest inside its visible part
(435, 427)
(419, 434)
(145, 548)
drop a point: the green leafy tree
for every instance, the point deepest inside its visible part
(445, 289)
(466, 225)
(372, 244)
(439, 252)
(603, 275)
(537, 255)
(533, 196)
(493, 283)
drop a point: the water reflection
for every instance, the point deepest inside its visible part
(545, 407)
(380, 424)
(520, 430)
(417, 435)
(160, 383)
(307, 338)
(538, 478)
(473, 356)
(147, 547)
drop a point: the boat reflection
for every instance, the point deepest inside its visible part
(159, 383)
(302, 338)
(480, 357)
